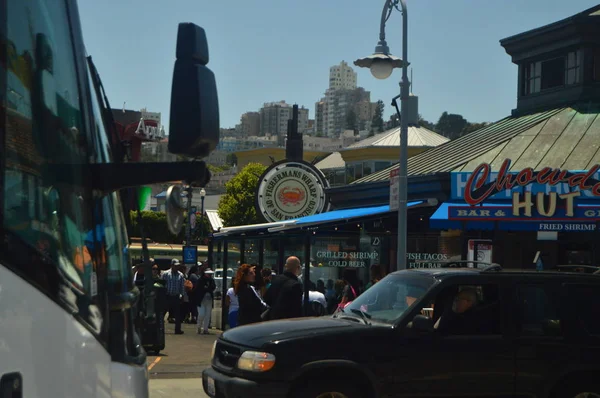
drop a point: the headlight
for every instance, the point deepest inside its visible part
(212, 352)
(255, 361)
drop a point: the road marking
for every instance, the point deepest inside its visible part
(156, 360)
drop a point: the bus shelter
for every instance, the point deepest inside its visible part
(327, 244)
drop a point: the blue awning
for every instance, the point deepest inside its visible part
(338, 216)
(442, 219)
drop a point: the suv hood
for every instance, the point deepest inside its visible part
(257, 334)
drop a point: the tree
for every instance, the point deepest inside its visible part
(237, 206)
(377, 121)
(427, 124)
(394, 121)
(231, 159)
(217, 169)
(470, 127)
(451, 125)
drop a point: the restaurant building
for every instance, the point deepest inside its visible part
(514, 192)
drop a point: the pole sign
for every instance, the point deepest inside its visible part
(394, 187)
(550, 196)
(289, 190)
(190, 255)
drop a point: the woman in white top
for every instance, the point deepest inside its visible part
(231, 301)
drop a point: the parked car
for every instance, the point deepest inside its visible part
(524, 333)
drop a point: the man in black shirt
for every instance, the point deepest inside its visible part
(284, 296)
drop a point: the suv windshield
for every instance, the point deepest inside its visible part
(389, 298)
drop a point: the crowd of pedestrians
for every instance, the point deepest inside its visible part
(252, 298)
(255, 298)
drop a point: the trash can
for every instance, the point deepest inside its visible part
(152, 331)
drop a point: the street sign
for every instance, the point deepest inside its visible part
(190, 255)
(193, 220)
(394, 184)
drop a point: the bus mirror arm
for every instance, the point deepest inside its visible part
(110, 177)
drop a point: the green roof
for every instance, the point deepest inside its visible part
(473, 147)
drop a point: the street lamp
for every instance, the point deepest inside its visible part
(202, 196)
(381, 64)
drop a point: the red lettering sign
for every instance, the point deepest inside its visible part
(505, 180)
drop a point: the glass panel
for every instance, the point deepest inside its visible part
(52, 216)
(539, 315)
(367, 168)
(381, 165)
(553, 73)
(389, 299)
(233, 255)
(586, 303)
(537, 86)
(571, 76)
(251, 251)
(571, 60)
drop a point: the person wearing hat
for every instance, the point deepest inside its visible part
(175, 290)
(204, 295)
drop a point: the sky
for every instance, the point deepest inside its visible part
(272, 50)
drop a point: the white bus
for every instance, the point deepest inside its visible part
(67, 303)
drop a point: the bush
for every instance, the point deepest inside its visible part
(155, 227)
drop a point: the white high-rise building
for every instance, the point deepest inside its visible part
(330, 112)
(342, 77)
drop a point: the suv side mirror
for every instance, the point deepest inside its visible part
(194, 124)
(421, 323)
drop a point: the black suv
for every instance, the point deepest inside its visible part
(467, 332)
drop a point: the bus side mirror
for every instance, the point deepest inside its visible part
(194, 119)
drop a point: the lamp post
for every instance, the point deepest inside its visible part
(382, 64)
(202, 196)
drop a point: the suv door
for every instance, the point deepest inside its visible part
(478, 363)
(541, 347)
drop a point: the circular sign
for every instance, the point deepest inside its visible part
(289, 190)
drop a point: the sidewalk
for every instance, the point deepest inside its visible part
(184, 356)
(177, 388)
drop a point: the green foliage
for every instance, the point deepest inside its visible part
(237, 206)
(155, 227)
(231, 159)
(377, 122)
(217, 169)
(451, 125)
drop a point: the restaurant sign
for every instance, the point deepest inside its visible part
(289, 190)
(347, 259)
(534, 195)
(483, 184)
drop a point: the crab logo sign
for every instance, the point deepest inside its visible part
(289, 190)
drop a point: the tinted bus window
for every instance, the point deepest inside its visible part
(45, 210)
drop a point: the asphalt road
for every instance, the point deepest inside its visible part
(177, 371)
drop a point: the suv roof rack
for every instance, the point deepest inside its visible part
(587, 269)
(483, 266)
